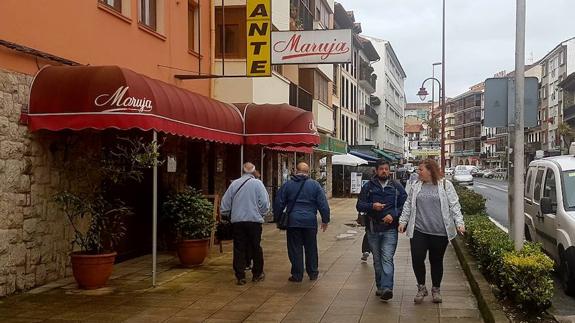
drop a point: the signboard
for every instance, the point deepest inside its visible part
(500, 102)
(171, 164)
(259, 27)
(311, 46)
(426, 152)
(356, 182)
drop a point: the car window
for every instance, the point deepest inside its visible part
(550, 188)
(538, 181)
(528, 186)
(569, 189)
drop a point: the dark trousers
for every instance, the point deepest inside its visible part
(298, 240)
(365, 244)
(421, 243)
(247, 238)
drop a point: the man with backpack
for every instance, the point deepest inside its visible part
(382, 200)
(300, 199)
(246, 202)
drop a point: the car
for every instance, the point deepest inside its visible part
(477, 172)
(448, 171)
(550, 212)
(462, 176)
(488, 173)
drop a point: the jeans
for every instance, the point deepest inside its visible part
(383, 245)
(420, 244)
(247, 238)
(298, 240)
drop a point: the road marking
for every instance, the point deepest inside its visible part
(480, 186)
(499, 225)
(495, 187)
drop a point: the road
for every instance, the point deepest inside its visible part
(495, 192)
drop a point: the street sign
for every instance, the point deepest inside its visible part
(258, 27)
(500, 102)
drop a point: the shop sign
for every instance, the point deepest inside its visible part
(356, 182)
(171, 164)
(119, 102)
(259, 25)
(311, 46)
(429, 152)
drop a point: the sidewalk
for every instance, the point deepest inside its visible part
(343, 293)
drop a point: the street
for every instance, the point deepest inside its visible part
(495, 191)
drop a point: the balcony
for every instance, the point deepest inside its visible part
(366, 77)
(300, 98)
(369, 115)
(301, 17)
(323, 116)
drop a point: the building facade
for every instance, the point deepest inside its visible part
(467, 111)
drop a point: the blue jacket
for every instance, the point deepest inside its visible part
(249, 204)
(311, 200)
(373, 192)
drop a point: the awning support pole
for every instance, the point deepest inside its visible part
(262, 164)
(154, 210)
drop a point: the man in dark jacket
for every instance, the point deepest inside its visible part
(302, 227)
(382, 199)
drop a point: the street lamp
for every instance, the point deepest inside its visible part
(422, 95)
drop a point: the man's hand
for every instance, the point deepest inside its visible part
(388, 219)
(401, 228)
(324, 227)
(378, 206)
(461, 229)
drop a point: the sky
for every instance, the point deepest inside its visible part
(480, 36)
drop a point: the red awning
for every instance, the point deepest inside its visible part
(278, 125)
(102, 97)
(292, 149)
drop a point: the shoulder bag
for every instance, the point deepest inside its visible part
(283, 221)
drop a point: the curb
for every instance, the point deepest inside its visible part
(491, 310)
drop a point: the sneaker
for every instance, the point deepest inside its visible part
(241, 282)
(386, 295)
(421, 293)
(379, 292)
(364, 256)
(313, 277)
(294, 280)
(259, 278)
(436, 295)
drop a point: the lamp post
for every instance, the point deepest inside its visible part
(433, 86)
(422, 95)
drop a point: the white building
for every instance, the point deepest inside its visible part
(391, 94)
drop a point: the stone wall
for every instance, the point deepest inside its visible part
(34, 236)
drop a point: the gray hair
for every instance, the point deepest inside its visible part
(249, 168)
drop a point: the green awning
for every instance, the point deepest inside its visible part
(384, 154)
(331, 145)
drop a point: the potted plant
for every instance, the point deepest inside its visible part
(189, 215)
(98, 226)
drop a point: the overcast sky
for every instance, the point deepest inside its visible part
(480, 35)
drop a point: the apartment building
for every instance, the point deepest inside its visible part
(466, 110)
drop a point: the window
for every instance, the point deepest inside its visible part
(538, 180)
(544, 69)
(193, 26)
(528, 183)
(231, 37)
(320, 88)
(148, 13)
(278, 69)
(550, 188)
(115, 4)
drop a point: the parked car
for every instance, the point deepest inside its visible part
(488, 173)
(477, 172)
(462, 176)
(550, 212)
(448, 171)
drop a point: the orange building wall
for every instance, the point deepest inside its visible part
(81, 31)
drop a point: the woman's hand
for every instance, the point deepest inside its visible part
(401, 228)
(461, 229)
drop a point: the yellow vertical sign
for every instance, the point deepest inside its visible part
(259, 34)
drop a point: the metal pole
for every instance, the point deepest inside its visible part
(518, 151)
(442, 89)
(432, 90)
(262, 164)
(242, 159)
(154, 210)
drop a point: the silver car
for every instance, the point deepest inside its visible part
(463, 176)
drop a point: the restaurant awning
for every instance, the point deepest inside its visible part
(369, 158)
(390, 157)
(102, 97)
(278, 125)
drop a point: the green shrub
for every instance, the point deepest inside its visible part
(188, 215)
(524, 277)
(471, 202)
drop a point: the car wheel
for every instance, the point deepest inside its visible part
(527, 233)
(566, 270)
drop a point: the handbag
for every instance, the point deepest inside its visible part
(283, 221)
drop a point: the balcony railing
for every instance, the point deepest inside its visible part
(369, 114)
(300, 98)
(301, 17)
(366, 77)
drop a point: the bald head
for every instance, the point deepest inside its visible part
(302, 168)
(249, 168)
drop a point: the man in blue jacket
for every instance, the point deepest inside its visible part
(302, 227)
(382, 199)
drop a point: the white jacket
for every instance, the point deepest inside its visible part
(450, 208)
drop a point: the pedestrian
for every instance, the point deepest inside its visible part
(365, 249)
(413, 178)
(382, 199)
(431, 217)
(247, 202)
(304, 197)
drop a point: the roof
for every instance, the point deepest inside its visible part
(418, 106)
(566, 162)
(368, 49)
(343, 18)
(412, 128)
(554, 49)
(568, 83)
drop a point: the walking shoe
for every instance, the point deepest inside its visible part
(259, 278)
(241, 282)
(365, 256)
(294, 280)
(421, 293)
(313, 277)
(435, 293)
(379, 292)
(387, 294)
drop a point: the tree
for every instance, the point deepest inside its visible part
(567, 133)
(434, 127)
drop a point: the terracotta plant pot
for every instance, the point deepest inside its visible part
(92, 271)
(193, 252)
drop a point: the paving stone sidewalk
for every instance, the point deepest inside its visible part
(343, 293)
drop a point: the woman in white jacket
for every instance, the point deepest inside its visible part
(431, 217)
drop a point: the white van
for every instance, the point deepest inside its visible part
(550, 212)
